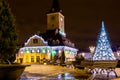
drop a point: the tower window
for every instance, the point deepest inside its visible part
(52, 17)
(35, 41)
(52, 25)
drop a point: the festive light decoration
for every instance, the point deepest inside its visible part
(54, 52)
(33, 50)
(38, 50)
(27, 50)
(62, 33)
(50, 50)
(59, 51)
(92, 49)
(36, 36)
(44, 50)
(103, 50)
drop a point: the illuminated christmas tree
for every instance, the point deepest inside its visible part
(103, 49)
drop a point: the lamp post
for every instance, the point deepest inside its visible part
(92, 49)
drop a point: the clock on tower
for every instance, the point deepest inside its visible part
(55, 21)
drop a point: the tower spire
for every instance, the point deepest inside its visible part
(55, 7)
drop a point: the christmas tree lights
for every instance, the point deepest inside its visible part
(103, 49)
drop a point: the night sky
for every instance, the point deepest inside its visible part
(82, 19)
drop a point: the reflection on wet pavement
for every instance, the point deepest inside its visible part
(65, 76)
(48, 72)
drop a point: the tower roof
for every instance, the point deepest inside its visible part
(55, 7)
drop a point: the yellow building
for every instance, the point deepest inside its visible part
(52, 43)
(35, 49)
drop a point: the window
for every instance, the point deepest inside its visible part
(32, 58)
(26, 58)
(37, 59)
(53, 25)
(35, 41)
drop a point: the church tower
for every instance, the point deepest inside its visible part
(51, 44)
(55, 18)
(55, 33)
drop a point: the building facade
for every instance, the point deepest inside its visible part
(50, 44)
